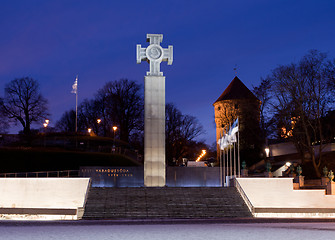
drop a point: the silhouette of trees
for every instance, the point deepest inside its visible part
(23, 103)
(301, 99)
(180, 131)
(118, 103)
(121, 104)
(3, 120)
(263, 93)
(67, 123)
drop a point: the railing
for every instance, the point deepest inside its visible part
(244, 196)
(64, 173)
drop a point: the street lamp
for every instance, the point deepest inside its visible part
(114, 128)
(267, 151)
(203, 152)
(98, 121)
(45, 124)
(89, 130)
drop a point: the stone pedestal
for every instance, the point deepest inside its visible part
(324, 181)
(244, 172)
(330, 188)
(154, 131)
(298, 182)
(301, 181)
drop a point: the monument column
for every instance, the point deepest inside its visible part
(154, 110)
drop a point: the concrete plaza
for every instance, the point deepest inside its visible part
(219, 229)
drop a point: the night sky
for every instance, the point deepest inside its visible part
(52, 41)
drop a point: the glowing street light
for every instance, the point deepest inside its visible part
(46, 123)
(114, 128)
(98, 120)
(267, 151)
(203, 153)
(89, 130)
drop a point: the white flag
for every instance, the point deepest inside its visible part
(223, 142)
(75, 86)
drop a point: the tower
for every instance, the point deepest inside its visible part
(237, 101)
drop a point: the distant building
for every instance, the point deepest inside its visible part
(237, 101)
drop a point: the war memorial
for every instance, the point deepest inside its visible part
(156, 191)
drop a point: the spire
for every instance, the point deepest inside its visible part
(236, 90)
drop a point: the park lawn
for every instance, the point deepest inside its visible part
(49, 159)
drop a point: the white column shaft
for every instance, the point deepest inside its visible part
(154, 131)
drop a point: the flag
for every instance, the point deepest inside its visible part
(75, 86)
(232, 132)
(223, 142)
(234, 128)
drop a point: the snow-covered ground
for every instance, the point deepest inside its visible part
(278, 231)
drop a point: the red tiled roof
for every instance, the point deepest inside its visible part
(236, 90)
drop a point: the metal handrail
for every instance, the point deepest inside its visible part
(68, 173)
(244, 196)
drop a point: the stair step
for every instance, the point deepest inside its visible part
(129, 203)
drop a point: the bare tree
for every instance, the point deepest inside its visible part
(67, 122)
(122, 103)
(88, 113)
(119, 103)
(302, 98)
(263, 93)
(24, 103)
(180, 132)
(3, 120)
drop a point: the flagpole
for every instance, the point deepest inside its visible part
(238, 150)
(224, 167)
(220, 160)
(227, 157)
(234, 161)
(77, 104)
(230, 159)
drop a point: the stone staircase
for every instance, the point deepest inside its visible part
(159, 203)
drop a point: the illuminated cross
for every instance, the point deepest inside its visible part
(154, 54)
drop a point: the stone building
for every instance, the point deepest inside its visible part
(237, 101)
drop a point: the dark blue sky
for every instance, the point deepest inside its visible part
(52, 41)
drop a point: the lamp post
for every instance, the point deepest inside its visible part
(114, 128)
(45, 125)
(267, 151)
(98, 121)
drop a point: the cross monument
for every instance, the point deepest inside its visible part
(154, 109)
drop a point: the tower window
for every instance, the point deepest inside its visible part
(219, 108)
(236, 106)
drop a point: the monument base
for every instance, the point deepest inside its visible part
(43, 198)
